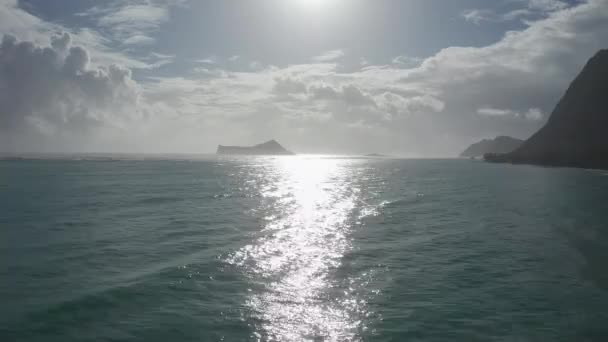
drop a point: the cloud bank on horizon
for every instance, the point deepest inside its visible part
(123, 76)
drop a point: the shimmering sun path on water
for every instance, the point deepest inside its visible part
(301, 244)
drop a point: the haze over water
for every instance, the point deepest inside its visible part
(305, 248)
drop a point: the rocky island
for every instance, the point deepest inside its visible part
(271, 147)
(501, 144)
(575, 134)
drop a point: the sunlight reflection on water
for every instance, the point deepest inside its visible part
(303, 241)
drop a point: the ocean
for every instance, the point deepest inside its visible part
(302, 248)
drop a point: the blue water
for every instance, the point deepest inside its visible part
(301, 249)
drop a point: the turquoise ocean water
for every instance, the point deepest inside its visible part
(303, 248)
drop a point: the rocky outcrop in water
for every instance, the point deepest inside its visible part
(576, 133)
(271, 147)
(501, 144)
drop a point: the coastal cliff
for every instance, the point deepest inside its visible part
(575, 134)
(501, 144)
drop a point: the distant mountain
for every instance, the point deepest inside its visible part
(577, 132)
(271, 147)
(501, 144)
(375, 155)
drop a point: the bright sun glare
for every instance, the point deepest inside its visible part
(312, 4)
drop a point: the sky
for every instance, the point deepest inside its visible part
(414, 78)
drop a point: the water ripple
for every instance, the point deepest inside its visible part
(306, 234)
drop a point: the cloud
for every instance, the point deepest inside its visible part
(532, 9)
(208, 60)
(546, 5)
(23, 25)
(406, 61)
(349, 94)
(287, 85)
(396, 105)
(329, 56)
(496, 112)
(138, 39)
(531, 114)
(534, 114)
(133, 22)
(54, 91)
(477, 16)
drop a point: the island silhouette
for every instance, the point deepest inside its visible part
(271, 147)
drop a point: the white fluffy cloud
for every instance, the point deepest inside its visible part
(529, 9)
(329, 56)
(23, 25)
(132, 22)
(531, 114)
